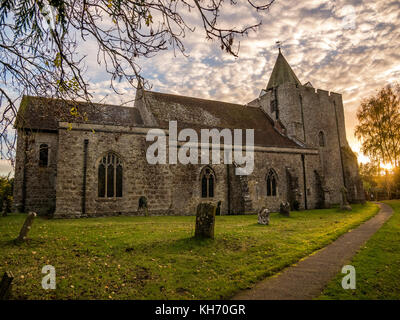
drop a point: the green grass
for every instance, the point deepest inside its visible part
(157, 258)
(377, 265)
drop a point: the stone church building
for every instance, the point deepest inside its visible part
(90, 159)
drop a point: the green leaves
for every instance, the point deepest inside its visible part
(149, 19)
(379, 126)
(57, 60)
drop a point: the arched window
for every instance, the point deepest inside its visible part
(321, 139)
(207, 182)
(43, 155)
(271, 183)
(110, 176)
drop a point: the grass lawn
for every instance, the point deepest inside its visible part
(157, 258)
(377, 265)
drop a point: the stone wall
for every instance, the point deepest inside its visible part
(354, 185)
(169, 189)
(19, 173)
(176, 189)
(320, 115)
(40, 181)
(305, 112)
(279, 163)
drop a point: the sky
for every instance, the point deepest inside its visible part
(350, 47)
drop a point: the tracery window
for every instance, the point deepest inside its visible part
(207, 182)
(110, 176)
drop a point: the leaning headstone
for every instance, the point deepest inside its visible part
(5, 285)
(284, 208)
(26, 227)
(345, 206)
(205, 221)
(6, 206)
(263, 216)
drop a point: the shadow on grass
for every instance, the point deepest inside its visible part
(182, 245)
(259, 225)
(28, 242)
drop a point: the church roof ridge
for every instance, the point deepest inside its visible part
(195, 98)
(68, 101)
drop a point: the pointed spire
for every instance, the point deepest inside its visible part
(282, 73)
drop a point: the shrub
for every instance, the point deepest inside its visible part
(6, 188)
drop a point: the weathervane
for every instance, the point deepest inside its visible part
(279, 43)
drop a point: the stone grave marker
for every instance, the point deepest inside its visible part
(284, 208)
(26, 227)
(5, 285)
(205, 220)
(263, 216)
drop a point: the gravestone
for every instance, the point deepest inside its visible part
(284, 208)
(6, 206)
(5, 285)
(143, 208)
(26, 227)
(345, 206)
(263, 216)
(205, 221)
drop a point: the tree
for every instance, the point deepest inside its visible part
(396, 180)
(6, 188)
(379, 126)
(368, 174)
(39, 43)
(386, 184)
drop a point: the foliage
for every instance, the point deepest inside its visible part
(376, 265)
(379, 126)
(40, 43)
(369, 173)
(6, 191)
(158, 258)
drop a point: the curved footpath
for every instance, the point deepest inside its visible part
(307, 278)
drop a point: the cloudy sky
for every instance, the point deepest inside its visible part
(349, 47)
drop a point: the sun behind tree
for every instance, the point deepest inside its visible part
(379, 127)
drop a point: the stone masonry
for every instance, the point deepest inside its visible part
(299, 136)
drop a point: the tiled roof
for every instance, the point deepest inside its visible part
(45, 113)
(205, 114)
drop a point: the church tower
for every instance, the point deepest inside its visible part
(280, 100)
(313, 118)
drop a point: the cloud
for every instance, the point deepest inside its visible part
(350, 47)
(6, 168)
